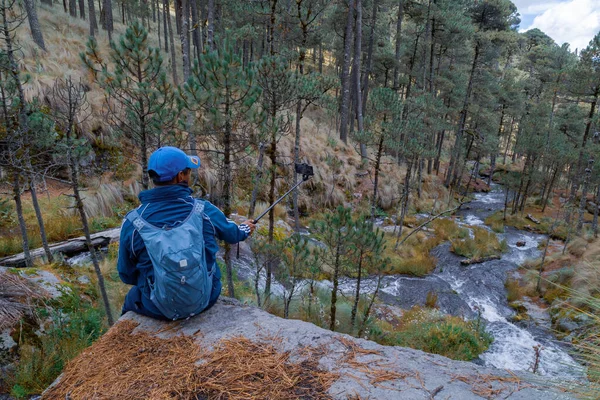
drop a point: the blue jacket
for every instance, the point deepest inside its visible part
(169, 206)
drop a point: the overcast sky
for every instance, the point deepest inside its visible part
(573, 21)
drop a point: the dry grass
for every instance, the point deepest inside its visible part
(586, 279)
(65, 37)
(16, 295)
(483, 244)
(376, 371)
(492, 386)
(140, 365)
(413, 256)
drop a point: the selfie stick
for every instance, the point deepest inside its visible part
(305, 177)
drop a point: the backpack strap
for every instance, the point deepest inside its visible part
(134, 217)
(199, 207)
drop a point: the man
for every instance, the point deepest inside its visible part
(165, 208)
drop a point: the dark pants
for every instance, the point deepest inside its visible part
(139, 302)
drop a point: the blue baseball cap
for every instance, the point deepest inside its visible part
(168, 161)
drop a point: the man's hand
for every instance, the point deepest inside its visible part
(250, 224)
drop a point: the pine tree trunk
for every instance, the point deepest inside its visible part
(420, 178)
(257, 179)
(334, 290)
(82, 9)
(34, 24)
(158, 31)
(584, 190)
(376, 178)
(439, 145)
(369, 69)
(178, 7)
(400, 223)
(73, 8)
(107, 18)
(21, 219)
(166, 32)
(508, 139)
(196, 29)
(357, 56)
(210, 27)
(596, 206)
(273, 158)
(578, 172)
(456, 153)
(40, 220)
(185, 38)
(357, 293)
(227, 186)
(23, 125)
(93, 23)
(86, 232)
(550, 188)
(297, 160)
(345, 78)
(370, 306)
(172, 43)
(321, 58)
(495, 150)
(398, 44)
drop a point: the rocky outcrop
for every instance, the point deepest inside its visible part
(362, 368)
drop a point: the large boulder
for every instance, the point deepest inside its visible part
(346, 367)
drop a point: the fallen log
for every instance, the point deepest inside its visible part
(532, 219)
(477, 260)
(68, 248)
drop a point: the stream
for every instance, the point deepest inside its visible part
(478, 289)
(474, 291)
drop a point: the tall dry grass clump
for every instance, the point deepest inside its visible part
(16, 295)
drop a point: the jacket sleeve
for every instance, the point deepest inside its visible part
(125, 265)
(225, 229)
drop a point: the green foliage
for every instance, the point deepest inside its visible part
(73, 322)
(483, 244)
(430, 331)
(141, 101)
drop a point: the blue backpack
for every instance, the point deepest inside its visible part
(182, 282)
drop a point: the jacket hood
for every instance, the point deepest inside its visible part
(165, 193)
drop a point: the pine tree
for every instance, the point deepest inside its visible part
(335, 231)
(24, 128)
(294, 255)
(381, 131)
(225, 94)
(70, 104)
(368, 246)
(279, 88)
(141, 102)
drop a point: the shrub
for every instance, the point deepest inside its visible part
(482, 244)
(431, 299)
(514, 291)
(446, 335)
(413, 257)
(495, 222)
